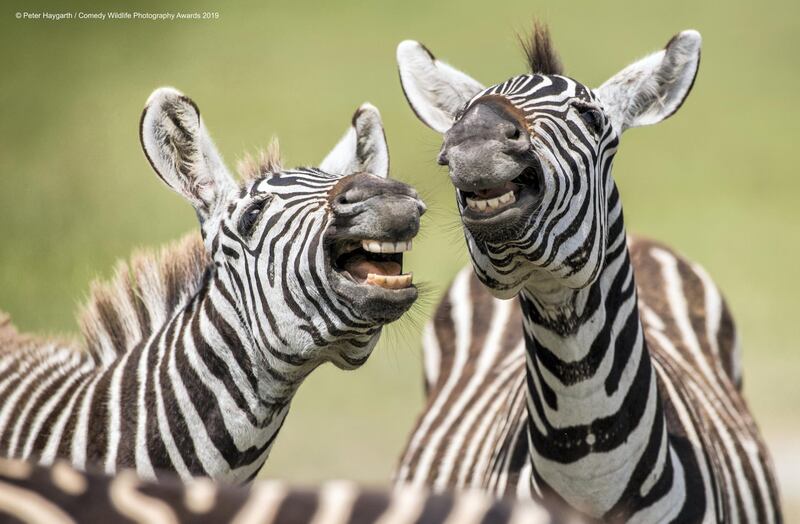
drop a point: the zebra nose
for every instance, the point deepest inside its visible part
(482, 165)
(488, 123)
(442, 158)
(377, 208)
(485, 148)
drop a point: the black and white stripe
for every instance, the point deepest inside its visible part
(193, 355)
(475, 374)
(61, 494)
(633, 406)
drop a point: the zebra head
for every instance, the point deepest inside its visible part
(310, 259)
(531, 157)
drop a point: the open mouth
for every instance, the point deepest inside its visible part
(493, 201)
(372, 262)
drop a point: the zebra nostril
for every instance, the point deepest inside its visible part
(442, 158)
(351, 196)
(512, 132)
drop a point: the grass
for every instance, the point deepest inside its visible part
(717, 181)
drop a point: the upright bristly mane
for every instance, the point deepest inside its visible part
(142, 295)
(266, 161)
(145, 292)
(539, 50)
(8, 332)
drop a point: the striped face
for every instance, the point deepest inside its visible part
(530, 158)
(316, 259)
(311, 258)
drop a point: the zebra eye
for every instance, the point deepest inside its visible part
(249, 218)
(592, 117)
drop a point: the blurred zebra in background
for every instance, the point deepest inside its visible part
(61, 495)
(620, 397)
(192, 356)
(471, 432)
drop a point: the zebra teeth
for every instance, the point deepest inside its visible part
(490, 204)
(390, 281)
(374, 246)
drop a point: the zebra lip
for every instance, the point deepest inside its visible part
(361, 266)
(368, 274)
(492, 204)
(374, 268)
(390, 281)
(495, 192)
(493, 201)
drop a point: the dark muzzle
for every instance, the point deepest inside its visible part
(486, 147)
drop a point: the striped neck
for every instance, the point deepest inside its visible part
(227, 399)
(264, 362)
(596, 427)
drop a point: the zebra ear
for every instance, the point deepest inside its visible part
(176, 143)
(434, 90)
(653, 88)
(363, 147)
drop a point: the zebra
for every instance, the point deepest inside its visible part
(61, 494)
(621, 395)
(191, 356)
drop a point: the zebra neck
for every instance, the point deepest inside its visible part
(238, 406)
(271, 379)
(596, 426)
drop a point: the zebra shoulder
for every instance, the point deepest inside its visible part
(678, 298)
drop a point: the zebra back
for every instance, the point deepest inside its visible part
(469, 408)
(61, 494)
(474, 356)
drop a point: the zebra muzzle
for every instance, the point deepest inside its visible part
(376, 263)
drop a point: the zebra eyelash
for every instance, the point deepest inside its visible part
(251, 216)
(460, 112)
(592, 117)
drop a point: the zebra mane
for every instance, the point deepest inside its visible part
(143, 294)
(539, 51)
(266, 161)
(11, 340)
(9, 336)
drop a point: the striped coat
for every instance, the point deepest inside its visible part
(62, 495)
(613, 385)
(189, 358)
(472, 431)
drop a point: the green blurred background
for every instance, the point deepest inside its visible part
(715, 181)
